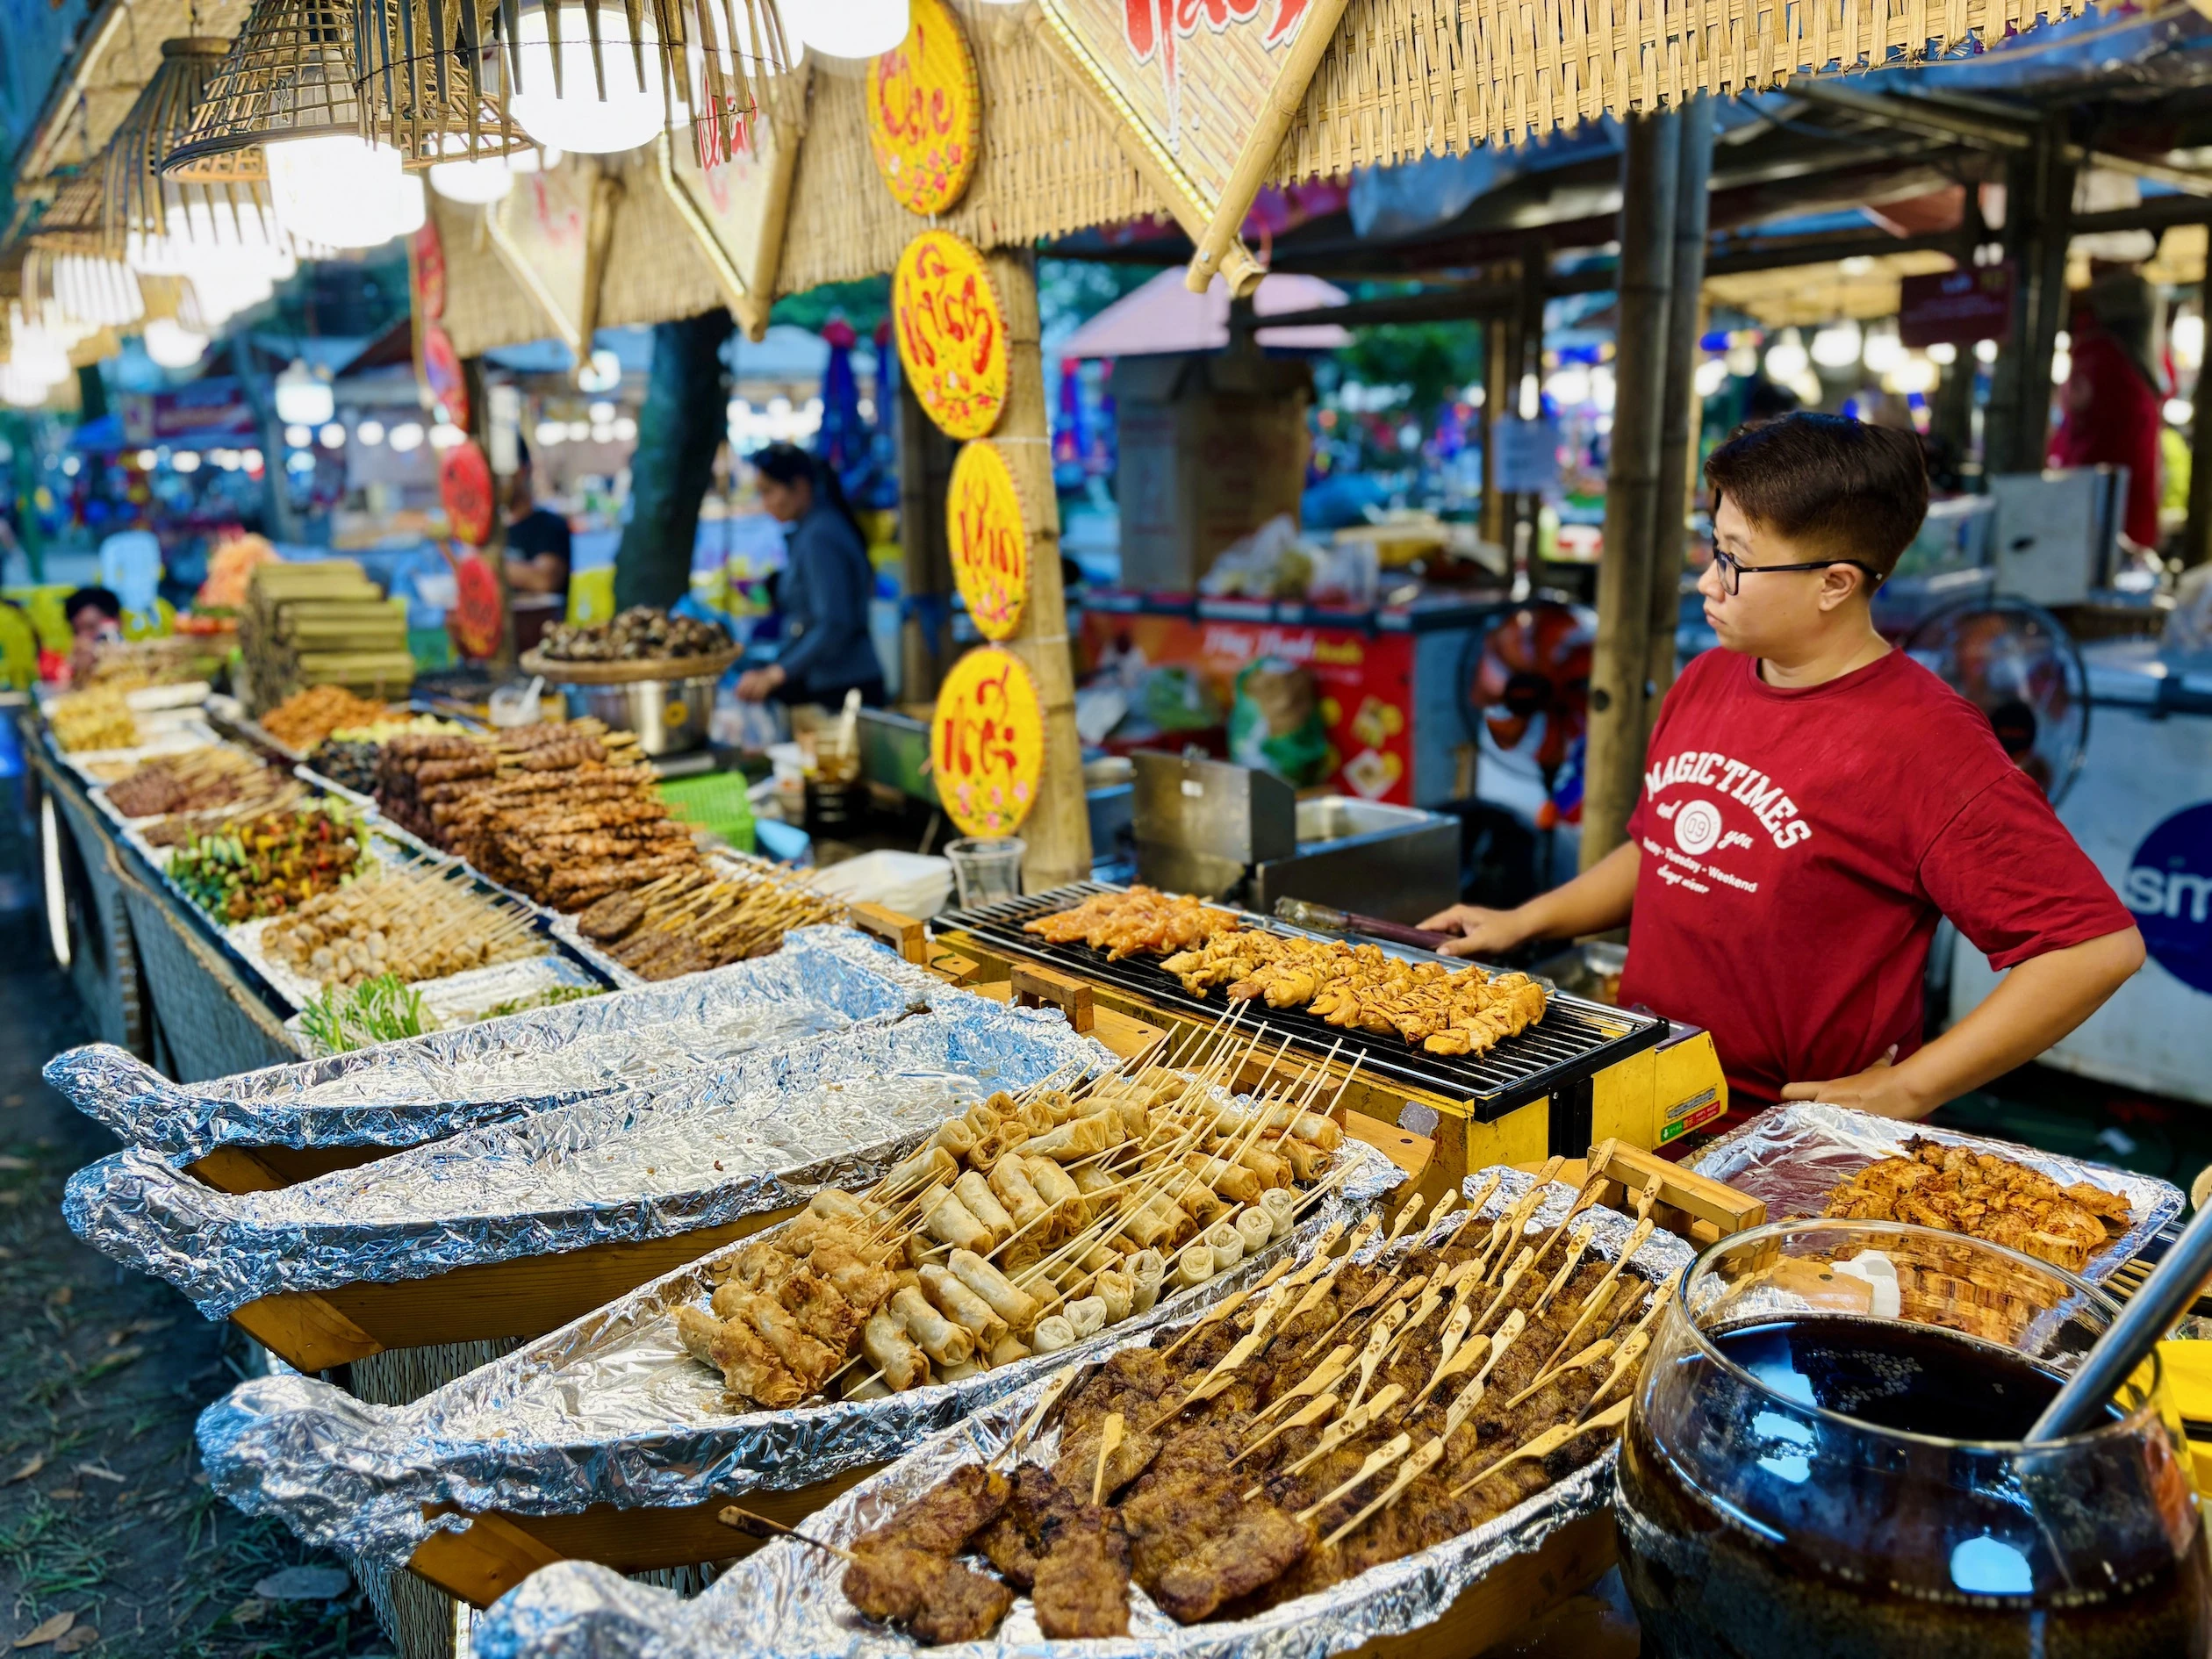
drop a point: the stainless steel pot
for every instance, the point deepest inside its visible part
(670, 716)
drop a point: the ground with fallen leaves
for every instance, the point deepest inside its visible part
(110, 1542)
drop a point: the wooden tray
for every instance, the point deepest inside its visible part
(629, 671)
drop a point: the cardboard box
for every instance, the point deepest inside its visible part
(1211, 448)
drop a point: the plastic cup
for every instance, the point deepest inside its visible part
(988, 869)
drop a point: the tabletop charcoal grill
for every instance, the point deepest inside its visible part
(1574, 1041)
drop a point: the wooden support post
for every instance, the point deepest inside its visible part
(1682, 411)
(494, 550)
(1528, 359)
(1620, 680)
(1058, 828)
(925, 468)
(1496, 332)
(2196, 540)
(2039, 184)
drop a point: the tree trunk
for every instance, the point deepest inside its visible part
(683, 422)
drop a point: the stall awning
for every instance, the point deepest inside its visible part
(1164, 316)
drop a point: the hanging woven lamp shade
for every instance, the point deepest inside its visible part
(430, 79)
(216, 213)
(289, 75)
(420, 77)
(701, 63)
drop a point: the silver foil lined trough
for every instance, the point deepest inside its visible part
(1794, 1156)
(420, 1088)
(611, 1410)
(762, 1131)
(785, 1600)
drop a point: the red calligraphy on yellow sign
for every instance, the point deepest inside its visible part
(951, 332)
(987, 743)
(989, 544)
(926, 117)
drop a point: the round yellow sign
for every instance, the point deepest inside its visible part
(951, 332)
(987, 743)
(990, 547)
(926, 117)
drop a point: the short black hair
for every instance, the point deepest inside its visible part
(92, 599)
(1842, 486)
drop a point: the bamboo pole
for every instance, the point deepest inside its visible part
(1620, 683)
(1057, 828)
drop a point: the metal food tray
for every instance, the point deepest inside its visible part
(284, 991)
(1576, 1040)
(403, 1093)
(784, 1599)
(1795, 1155)
(611, 1410)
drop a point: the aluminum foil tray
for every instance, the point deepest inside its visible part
(611, 1410)
(1793, 1156)
(406, 1093)
(763, 1132)
(784, 1601)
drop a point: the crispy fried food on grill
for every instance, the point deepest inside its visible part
(1141, 919)
(939, 1599)
(1988, 1197)
(943, 1519)
(1453, 1011)
(749, 1369)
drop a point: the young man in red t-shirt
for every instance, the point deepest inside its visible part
(1814, 800)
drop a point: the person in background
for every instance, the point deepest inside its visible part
(2112, 397)
(96, 619)
(538, 550)
(825, 591)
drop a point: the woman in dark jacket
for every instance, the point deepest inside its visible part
(825, 590)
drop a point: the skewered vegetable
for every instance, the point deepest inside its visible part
(268, 863)
(379, 1011)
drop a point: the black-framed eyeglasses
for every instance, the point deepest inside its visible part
(1732, 569)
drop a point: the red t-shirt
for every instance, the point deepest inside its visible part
(1798, 847)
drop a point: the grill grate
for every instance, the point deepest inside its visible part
(1576, 1040)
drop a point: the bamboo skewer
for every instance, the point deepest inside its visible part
(1313, 1411)
(1549, 1441)
(1343, 1429)
(1416, 1466)
(1109, 1440)
(753, 1526)
(1375, 1461)
(1602, 1292)
(1596, 1353)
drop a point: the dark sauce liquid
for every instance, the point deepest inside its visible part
(1769, 1536)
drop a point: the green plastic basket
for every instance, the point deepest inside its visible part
(717, 802)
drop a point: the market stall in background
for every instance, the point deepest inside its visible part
(987, 1098)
